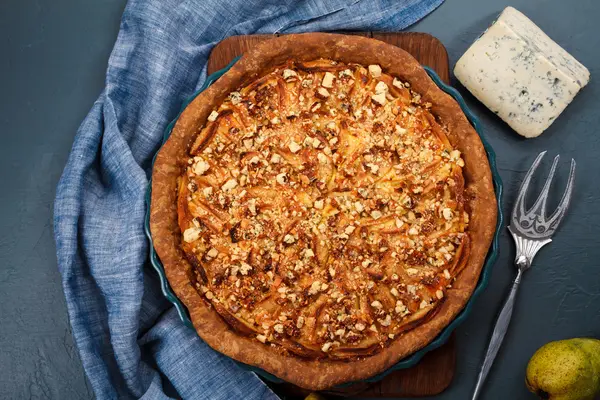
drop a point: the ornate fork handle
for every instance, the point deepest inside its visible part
(526, 250)
(498, 335)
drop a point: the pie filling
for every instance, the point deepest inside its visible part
(322, 210)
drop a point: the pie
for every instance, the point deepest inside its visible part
(323, 209)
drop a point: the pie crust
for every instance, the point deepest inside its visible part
(298, 356)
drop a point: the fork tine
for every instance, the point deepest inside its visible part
(561, 210)
(519, 208)
(539, 207)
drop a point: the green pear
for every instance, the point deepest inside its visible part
(565, 370)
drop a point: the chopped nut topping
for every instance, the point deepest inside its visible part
(387, 321)
(213, 116)
(322, 93)
(318, 204)
(376, 214)
(235, 98)
(288, 73)
(376, 304)
(358, 206)
(191, 235)
(381, 87)
(326, 347)
(379, 99)
(375, 70)
(294, 147)
(281, 178)
(401, 130)
(278, 328)
(289, 239)
(439, 294)
(345, 73)
(229, 185)
(374, 168)
(447, 213)
(245, 268)
(252, 206)
(328, 80)
(212, 252)
(200, 167)
(314, 288)
(261, 338)
(307, 82)
(400, 307)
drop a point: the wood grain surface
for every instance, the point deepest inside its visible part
(435, 371)
(427, 49)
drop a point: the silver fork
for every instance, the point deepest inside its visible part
(531, 230)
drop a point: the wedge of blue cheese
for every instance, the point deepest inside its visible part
(521, 74)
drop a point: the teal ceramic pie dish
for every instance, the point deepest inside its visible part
(445, 334)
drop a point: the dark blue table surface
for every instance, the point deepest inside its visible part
(52, 63)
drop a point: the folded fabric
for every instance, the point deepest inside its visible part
(131, 342)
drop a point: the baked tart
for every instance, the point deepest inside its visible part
(323, 209)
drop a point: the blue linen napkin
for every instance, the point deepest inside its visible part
(131, 341)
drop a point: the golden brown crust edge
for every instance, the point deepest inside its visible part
(170, 161)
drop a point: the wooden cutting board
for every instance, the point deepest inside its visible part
(435, 371)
